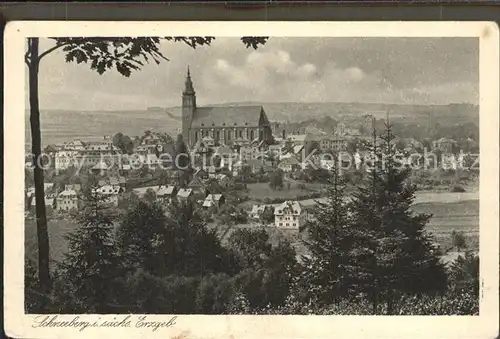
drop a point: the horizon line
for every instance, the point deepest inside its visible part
(257, 102)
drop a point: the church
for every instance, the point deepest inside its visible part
(226, 125)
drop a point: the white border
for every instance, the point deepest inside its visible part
(193, 326)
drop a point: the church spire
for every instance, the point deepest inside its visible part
(188, 88)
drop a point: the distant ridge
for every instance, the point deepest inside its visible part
(297, 111)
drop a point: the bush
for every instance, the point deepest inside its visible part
(457, 189)
(214, 295)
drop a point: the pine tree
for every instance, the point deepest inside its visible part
(138, 235)
(330, 243)
(91, 265)
(395, 252)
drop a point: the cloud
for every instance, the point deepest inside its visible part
(390, 70)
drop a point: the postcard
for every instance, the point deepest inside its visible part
(251, 179)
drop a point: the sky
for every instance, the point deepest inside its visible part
(380, 70)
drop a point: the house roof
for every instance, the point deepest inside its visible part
(298, 148)
(214, 197)
(290, 161)
(292, 207)
(67, 193)
(165, 190)
(196, 183)
(227, 116)
(258, 208)
(184, 192)
(207, 203)
(297, 137)
(75, 187)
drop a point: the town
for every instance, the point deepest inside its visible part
(234, 161)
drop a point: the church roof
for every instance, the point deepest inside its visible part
(227, 116)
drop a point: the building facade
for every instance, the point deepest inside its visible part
(289, 214)
(226, 125)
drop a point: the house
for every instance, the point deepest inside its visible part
(257, 211)
(166, 193)
(200, 173)
(148, 149)
(197, 186)
(68, 199)
(289, 164)
(151, 138)
(289, 214)
(327, 143)
(249, 153)
(276, 150)
(327, 164)
(445, 145)
(213, 200)
(49, 200)
(74, 145)
(297, 150)
(201, 148)
(185, 194)
(101, 167)
(110, 193)
(297, 139)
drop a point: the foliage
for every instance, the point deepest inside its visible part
(127, 54)
(464, 274)
(395, 254)
(266, 269)
(276, 179)
(457, 188)
(137, 235)
(214, 294)
(329, 271)
(458, 240)
(123, 142)
(91, 265)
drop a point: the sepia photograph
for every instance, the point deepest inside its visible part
(252, 174)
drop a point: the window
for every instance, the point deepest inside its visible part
(228, 135)
(196, 136)
(281, 224)
(252, 135)
(241, 134)
(218, 135)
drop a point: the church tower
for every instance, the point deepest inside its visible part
(188, 107)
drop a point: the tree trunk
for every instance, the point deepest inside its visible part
(41, 218)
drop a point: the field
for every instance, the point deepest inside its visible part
(262, 191)
(449, 213)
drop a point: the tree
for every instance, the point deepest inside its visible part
(464, 273)
(331, 242)
(92, 265)
(395, 253)
(150, 196)
(276, 180)
(265, 276)
(267, 215)
(123, 142)
(125, 54)
(458, 240)
(186, 246)
(137, 235)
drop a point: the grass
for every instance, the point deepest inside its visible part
(58, 244)
(262, 190)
